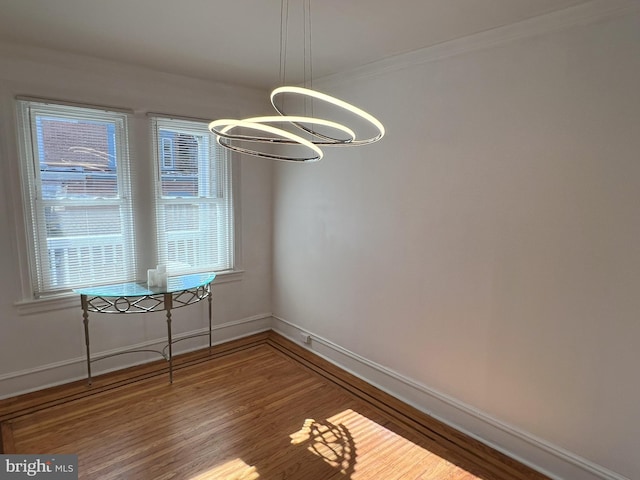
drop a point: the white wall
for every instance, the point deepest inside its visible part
(37, 349)
(488, 248)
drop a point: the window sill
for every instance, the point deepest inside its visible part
(42, 305)
(228, 276)
(72, 300)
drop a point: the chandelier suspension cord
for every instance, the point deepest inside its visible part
(310, 54)
(284, 35)
(304, 45)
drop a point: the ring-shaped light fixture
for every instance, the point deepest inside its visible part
(286, 119)
(229, 124)
(333, 101)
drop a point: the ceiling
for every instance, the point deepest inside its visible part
(238, 41)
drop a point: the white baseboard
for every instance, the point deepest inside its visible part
(44, 376)
(551, 460)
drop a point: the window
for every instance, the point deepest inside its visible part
(76, 175)
(193, 198)
(80, 215)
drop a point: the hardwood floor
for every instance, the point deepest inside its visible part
(257, 408)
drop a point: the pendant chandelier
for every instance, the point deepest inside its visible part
(233, 134)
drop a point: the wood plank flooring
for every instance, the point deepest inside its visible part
(258, 408)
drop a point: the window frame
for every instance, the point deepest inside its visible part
(34, 203)
(218, 163)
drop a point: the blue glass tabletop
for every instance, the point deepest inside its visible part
(139, 289)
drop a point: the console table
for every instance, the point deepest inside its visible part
(138, 297)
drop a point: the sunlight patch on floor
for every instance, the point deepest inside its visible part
(327, 440)
(358, 447)
(234, 469)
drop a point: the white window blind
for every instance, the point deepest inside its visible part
(194, 213)
(76, 176)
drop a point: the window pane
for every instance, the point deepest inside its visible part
(85, 259)
(77, 158)
(193, 235)
(180, 153)
(84, 244)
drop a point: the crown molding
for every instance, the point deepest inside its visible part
(582, 14)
